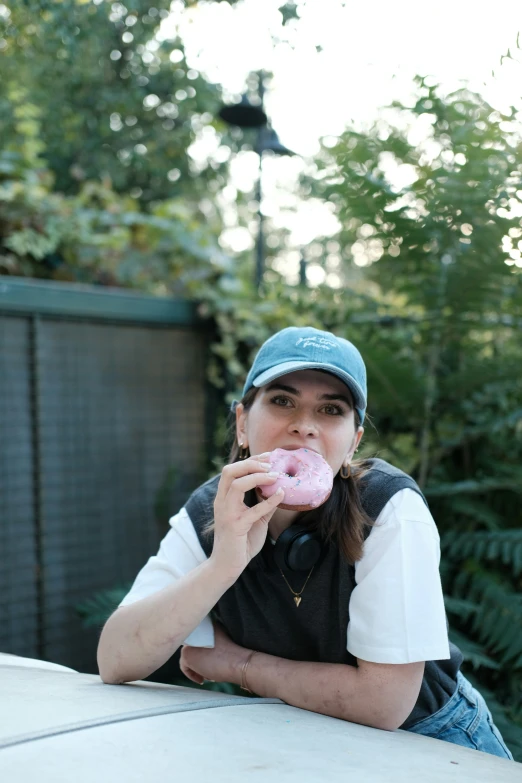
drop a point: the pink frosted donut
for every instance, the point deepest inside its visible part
(305, 477)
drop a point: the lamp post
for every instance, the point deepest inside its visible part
(247, 115)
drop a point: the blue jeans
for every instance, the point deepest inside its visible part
(465, 720)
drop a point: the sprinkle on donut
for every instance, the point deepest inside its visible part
(305, 477)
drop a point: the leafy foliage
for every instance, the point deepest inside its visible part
(96, 611)
(504, 546)
(111, 100)
(101, 237)
(84, 188)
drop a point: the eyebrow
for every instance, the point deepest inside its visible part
(291, 390)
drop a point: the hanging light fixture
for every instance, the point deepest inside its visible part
(244, 114)
(248, 115)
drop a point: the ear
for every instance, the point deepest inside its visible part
(358, 437)
(241, 417)
(354, 446)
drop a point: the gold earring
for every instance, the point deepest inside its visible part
(243, 452)
(346, 471)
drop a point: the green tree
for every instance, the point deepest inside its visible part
(112, 100)
(96, 182)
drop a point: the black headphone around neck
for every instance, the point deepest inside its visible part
(298, 548)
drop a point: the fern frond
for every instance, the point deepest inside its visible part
(460, 607)
(472, 487)
(96, 610)
(472, 652)
(503, 545)
(478, 511)
(499, 623)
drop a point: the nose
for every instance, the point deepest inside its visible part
(303, 425)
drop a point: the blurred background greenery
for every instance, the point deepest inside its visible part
(424, 274)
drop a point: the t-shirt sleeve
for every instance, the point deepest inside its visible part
(396, 609)
(179, 552)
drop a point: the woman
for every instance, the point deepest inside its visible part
(359, 631)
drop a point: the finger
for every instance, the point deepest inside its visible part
(190, 674)
(237, 470)
(242, 468)
(262, 523)
(241, 485)
(262, 512)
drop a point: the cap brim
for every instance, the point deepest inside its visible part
(287, 367)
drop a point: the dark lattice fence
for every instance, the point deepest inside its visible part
(102, 436)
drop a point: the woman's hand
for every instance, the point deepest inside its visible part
(221, 663)
(239, 531)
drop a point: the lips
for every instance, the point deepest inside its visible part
(294, 447)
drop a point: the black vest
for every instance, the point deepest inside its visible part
(258, 611)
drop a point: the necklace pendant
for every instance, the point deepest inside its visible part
(297, 600)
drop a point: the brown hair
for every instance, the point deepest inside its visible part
(342, 518)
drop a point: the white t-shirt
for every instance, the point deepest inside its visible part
(396, 608)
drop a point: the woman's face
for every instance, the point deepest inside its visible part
(304, 409)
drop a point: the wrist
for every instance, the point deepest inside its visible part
(243, 681)
(222, 571)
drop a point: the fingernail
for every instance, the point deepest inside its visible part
(265, 465)
(273, 473)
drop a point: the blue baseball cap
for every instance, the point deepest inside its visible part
(306, 348)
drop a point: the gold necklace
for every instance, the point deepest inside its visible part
(297, 596)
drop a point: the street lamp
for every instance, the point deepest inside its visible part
(247, 115)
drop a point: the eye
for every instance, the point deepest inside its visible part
(333, 410)
(281, 401)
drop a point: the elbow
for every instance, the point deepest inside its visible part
(387, 717)
(109, 680)
(112, 675)
(397, 712)
(107, 669)
(112, 681)
(372, 714)
(390, 692)
(111, 668)
(379, 715)
(378, 721)
(107, 673)
(388, 724)
(115, 671)
(108, 677)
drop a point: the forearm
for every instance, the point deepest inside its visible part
(139, 638)
(337, 690)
